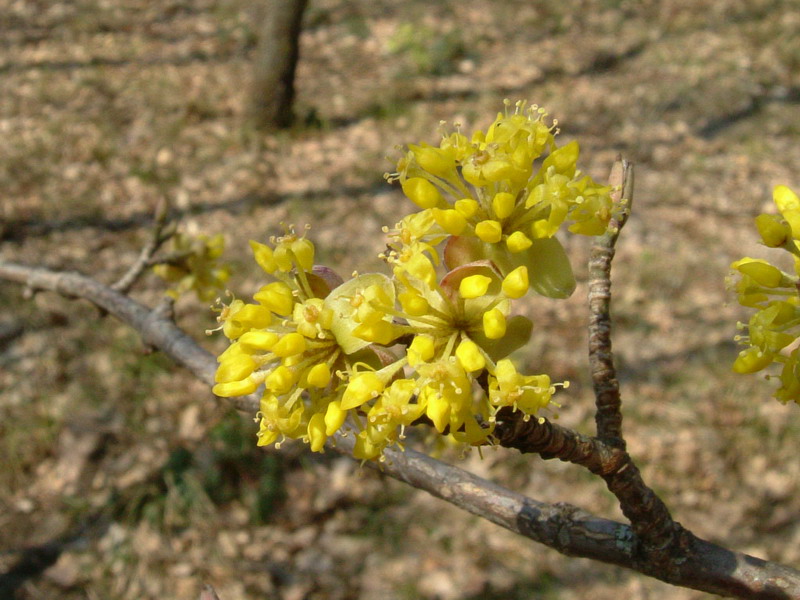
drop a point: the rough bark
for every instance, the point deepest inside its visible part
(275, 62)
(604, 379)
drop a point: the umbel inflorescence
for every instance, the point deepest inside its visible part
(774, 328)
(431, 341)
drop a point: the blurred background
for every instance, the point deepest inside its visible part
(121, 477)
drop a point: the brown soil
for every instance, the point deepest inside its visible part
(123, 479)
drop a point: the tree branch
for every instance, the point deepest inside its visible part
(660, 538)
(155, 329)
(566, 528)
(601, 359)
(158, 236)
(574, 532)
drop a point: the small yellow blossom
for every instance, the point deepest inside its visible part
(298, 342)
(528, 393)
(194, 266)
(775, 325)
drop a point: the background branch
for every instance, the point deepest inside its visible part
(159, 234)
(566, 528)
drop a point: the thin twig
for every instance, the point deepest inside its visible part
(172, 258)
(159, 234)
(703, 566)
(601, 359)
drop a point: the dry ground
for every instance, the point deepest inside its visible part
(121, 470)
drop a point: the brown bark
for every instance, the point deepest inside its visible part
(275, 62)
(604, 378)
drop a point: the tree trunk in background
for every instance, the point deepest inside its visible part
(275, 61)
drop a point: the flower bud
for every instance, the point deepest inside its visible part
(380, 332)
(304, 252)
(517, 242)
(264, 256)
(470, 356)
(438, 411)
(421, 192)
(258, 340)
(280, 380)
(785, 198)
(235, 368)
(334, 417)
(234, 388)
(494, 324)
(773, 230)
(489, 231)
(276, 296)
(503, 205)
(466, 207)
(421, 349)
(362, 387)
(452, 221)
(316, 432)
(413, 304)
(319, 375)
(515, 285)
(289, 345)
(283, 257)
(438, 161)
(760, 271)
(474, 286)
(253, 316)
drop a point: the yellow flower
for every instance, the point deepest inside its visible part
(374, 355)
(528, 393)
(391, 414)
(776, 323)
(487, 188)
(362, 387)
(194, 266)
(298, 342)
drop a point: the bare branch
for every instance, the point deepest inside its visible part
(158, 236)
(702, 565)
(661, 539)
(601, 359)
(156, 330)
(172, 258)
(574, 532)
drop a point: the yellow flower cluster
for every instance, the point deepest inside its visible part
(502, 195)
(430, 344)
(295, 340)
(194, 265)
(773, 329)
